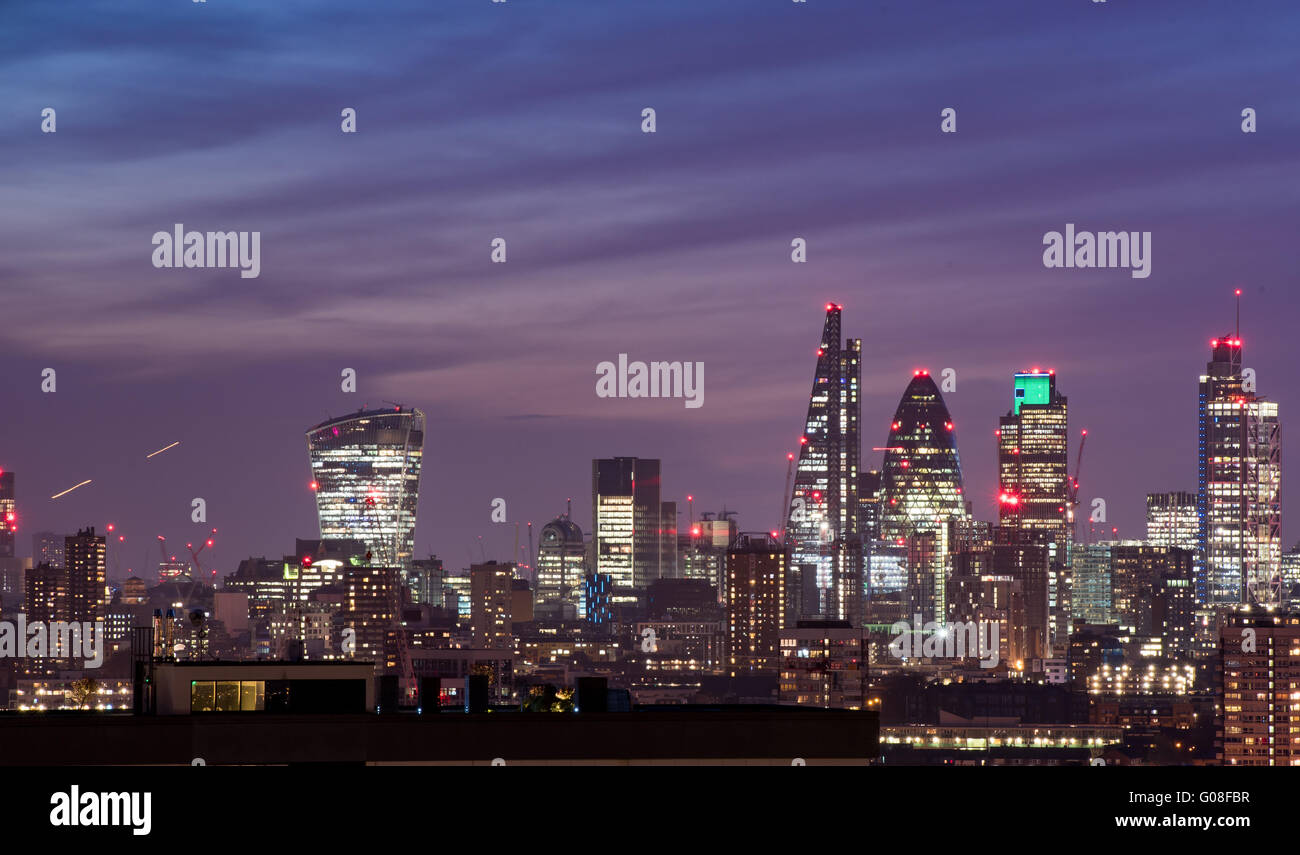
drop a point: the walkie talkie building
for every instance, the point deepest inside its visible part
(366, 474)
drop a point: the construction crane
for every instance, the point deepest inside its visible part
(406, 671)
(194, 555)
(1074, 488)
(783, 524)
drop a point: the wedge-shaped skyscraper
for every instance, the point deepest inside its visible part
(822, 525)
(366, 473)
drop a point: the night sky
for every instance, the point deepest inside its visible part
(523, 120)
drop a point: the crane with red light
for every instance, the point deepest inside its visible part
(786, 499)
(1073, 486)
(195, 553)
(405, 668)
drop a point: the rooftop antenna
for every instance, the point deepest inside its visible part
(1238, 313)
(568, 510)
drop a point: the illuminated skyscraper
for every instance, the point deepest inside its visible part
(922, 505)
(561, 568)
(1239, 476)
(1034, 504)
(1033, 478)
(1172, 520)
(8, 514)
(366, 473)
(822, 525)
(1091, 601)
(628, 525)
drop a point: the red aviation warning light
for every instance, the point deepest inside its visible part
(314, 486)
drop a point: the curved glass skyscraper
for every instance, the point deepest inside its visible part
(921, 493)
(366, 473)
(921, 477)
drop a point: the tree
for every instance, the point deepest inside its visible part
(83, 692)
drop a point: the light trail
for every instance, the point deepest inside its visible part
(161, 450)
(70, 489)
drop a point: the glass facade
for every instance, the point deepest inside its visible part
(921, 500)
(1033, 453)
(629, 524)
(1172, 520)
(824, 508)
(561, 564)
(366, 474)
(1239, 485)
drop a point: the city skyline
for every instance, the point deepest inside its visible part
(871, 460)
(615, 248)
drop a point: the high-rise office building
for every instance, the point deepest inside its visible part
(756, 589)
(85, 553)
(425, 580)
(668, 542)
(869, 504)
(1034, 495)
(8, 514)
(1142, 574)
(922, 507)
(1291, 573)
(1172, 520)
(1259, 660)
(628, 524)
(822, 522)
(561, 568)
(1239, 483)
(366, 473)
(1091, 601)
(703, 552)
(1033, 457)
(1029, 564)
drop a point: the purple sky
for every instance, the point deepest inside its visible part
(522, 120)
